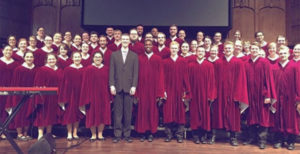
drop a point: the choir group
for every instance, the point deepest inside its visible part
(217, 85)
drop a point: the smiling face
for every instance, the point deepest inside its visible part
(85, 48)
(125, 41)
(133, 35)
(12, 41)
(228, 49)
(200, 53)
(7, 52)
(254, 50)
(57, 38)
(148, 46)
(161, 38)
(174, 48)
(296, 51)
(173, 31)
(51, 60)
(76, 57)
(103, 42)
(272, 49)
(28, 58)
(185, 48)
(98, 58)
(214, 50)
(62, 50)
(284, 53)
(109, 31)
(48, 41)
(32, 42)
(77, 40)
(22, 45)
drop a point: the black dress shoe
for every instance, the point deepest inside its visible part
(116, 140)
(101, 138)
(143, 138)
(211, 140)
(262, 145)
(247, 142)
(203, 140)
(128, 140)
(168, 139)
(179, 140)
(150, 138)
(291, 146)
(277, 145)
(234, 142)
(93, 139)
(196, 140)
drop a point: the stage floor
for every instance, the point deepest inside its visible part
(156, 147)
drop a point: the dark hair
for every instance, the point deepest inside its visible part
(65, 46)
(50, 54)
(93, 32)
(255, 35)
(26, 52)
(100, 54)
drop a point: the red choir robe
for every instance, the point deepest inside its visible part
(93, 48)
(95, 96)
(169, 40)
(63, 63)
(6, 74)
(75, 48)
(203, 90)
(176, 84)
(55, 48)
(22, 77)
(114, 47)
(29, 48)
(47, 108)
(288, 93)
(150, 88)
(163, 53)
(190, 58)
(39, 43)
(86, 61)
(137, 47)
(110, 40)
(70, 94)
(260, 86)
(18, 57)
(40, 57)
(106, 56)
(272, 62)
(217, 108)
(232, 92)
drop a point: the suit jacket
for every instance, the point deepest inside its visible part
(123, 75)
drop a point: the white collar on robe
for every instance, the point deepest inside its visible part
(85, 57)
(188, 54)
(101, 65)
(212, 60)
(15, 49)
(103, 50)
(200, 61)
(109, 37)
(47, 50)
(55, 68)
(117, 43)
(7, 61)
(39, 38)
(160, 48)
(240, 55)
(149, 55)
(174, 58)
(255, 59)
(173, 38)
(94, 45)
(64, 41)
(63, 58)
(77, 67)
(296, 59)
(20, 53)
(32, 49)
(200, 43)
(192, 53)
(140, 38)
(273, 59)
(57, 45)
(247, 53)
(228, 58)
(284, 63)
(264, 43)
(26, 66)
(74, 45)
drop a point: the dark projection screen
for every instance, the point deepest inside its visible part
(200, 13)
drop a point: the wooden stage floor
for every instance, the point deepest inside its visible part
(156, 147)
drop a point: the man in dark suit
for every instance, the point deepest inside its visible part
(123, 78)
